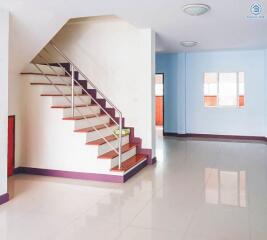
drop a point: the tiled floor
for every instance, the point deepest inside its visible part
(198, 190)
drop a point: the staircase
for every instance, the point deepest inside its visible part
(93, 114)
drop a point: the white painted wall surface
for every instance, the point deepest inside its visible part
(265, 91)
(4, 58)
(120, 60)
(50, 142)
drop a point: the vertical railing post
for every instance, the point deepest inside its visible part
(120, 141)
(72, 89)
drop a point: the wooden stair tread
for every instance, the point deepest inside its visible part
(91, 129)
(129, 163)
(101, 141)
(82, 117)
(52, 84)
(112, 154)
(46, 74)
(67, 106)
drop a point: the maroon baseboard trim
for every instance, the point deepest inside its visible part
(217, 136)
(69, 174)
(4, 198)
(80, 175)
(170, 134)
(153, 160)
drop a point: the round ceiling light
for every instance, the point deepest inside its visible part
(188, 43)
(196, 9)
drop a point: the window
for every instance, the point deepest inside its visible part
(224, 89)
(159, 85)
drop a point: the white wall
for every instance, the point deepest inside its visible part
(48, 141)
(265, 91)
(4, 47)
(120, 60)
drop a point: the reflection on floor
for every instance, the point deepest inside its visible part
(221, 183)
(198, 190)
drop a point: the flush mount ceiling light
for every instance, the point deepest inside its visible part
(196, 9)
(188, 43)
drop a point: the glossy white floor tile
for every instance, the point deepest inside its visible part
(198, 190)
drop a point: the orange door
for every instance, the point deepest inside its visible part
(159, 110)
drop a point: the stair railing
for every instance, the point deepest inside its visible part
(74, 83)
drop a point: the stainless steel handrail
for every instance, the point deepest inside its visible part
(82, 115)
(73, 80)
(86, 78)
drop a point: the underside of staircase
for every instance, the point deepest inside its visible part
(97, 122)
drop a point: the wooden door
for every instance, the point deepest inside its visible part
(159, 89)
(159, 110)
(11, 145)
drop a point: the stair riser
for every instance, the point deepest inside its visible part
(53, 79)
(81, 110)
(62, 89)
(79, 100)
(114, 162)
(94, 135)
(85, 123)
(104, 148)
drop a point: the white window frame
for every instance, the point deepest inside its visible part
(218, 88)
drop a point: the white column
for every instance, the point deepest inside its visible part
(4, 45)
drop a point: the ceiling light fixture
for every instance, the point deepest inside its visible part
(196, 9)
(188, 43)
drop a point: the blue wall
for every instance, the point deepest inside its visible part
(184, 106)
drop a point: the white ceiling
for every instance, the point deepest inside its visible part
(226, 26)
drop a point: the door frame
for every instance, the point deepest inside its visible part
(163, 97)
(13, 117)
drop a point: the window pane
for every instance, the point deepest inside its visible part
(241, 88)
(228, 89)
(159, 78)
(159, 84)
(159, 89)
(210, 84)
(210, 89)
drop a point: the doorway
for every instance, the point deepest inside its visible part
(159, 102)
(11, 146)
